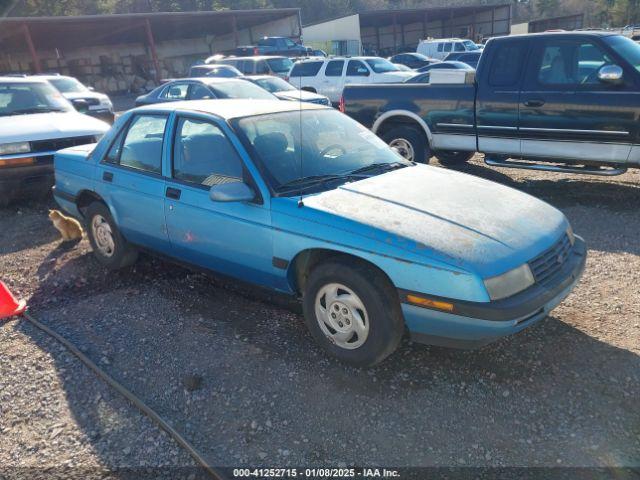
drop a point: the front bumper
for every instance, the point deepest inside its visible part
(26, 181)
(474, 325)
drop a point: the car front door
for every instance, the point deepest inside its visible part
(497, 100)
(233, 238)
(567, 113)
(130, 180)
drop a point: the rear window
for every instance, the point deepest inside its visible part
(306, 69)
(507, 64)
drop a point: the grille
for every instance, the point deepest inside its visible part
(92, 101)
(60, 143)
(546, 265)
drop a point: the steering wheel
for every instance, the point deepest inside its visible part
(335, 146)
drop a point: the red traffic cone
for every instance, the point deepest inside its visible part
(9, 306)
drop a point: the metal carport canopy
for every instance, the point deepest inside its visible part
(380, 18)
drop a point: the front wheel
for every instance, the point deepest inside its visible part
(451, 158)
(109, 246)
(409, 142)
(353, 312)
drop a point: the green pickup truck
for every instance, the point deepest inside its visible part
(567, 102)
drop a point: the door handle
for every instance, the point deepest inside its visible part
(173, 193)
(534, 103)
(107, 176)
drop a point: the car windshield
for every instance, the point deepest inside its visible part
(380, 65)
(469, 45)
(311, 150)
(25, 98)
(68, 85)
(275, 84)
(280, 65)
(240, 89)
(626, 48)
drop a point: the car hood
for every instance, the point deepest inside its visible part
(458, 219)
(298, 95)
(45, 126)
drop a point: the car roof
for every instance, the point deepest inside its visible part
(212, 66)
(258, 77)
(591, 33)
(206, 80)
(29, 79)
(232, 108)
(255, 57)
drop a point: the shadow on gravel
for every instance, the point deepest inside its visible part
(264, 388)
(23, 235)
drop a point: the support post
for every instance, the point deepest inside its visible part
(425, 33)
(395, 34)
(152, 47)
(32, 49)
(234, 27)
(378, 45)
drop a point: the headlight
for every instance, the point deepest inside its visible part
(510, 283)
(12, 148)
(572, 237)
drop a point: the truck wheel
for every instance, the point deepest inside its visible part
(410, 143)
(353, 312)
(109, 247)
(450, 158)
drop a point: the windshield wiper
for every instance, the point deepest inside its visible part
(380, 167)
(25, 111)
(303, 183)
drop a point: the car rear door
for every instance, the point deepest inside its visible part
(233, 238)
(130, 179)
(332, 80)
(498, 96)
(357, 72)
(566, 112)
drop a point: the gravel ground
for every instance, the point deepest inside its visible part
(236, 372)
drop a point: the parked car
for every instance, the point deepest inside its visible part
(470, 58)
(284, 90)
(263, 65)
(402, 68)
(568, 98)
(220, 71)
(328, 76)
(423, 75)
(89, 101)
(273, 46)
(203, 88)
(35, 121)
(317, 53)
(442, 47)
(412, 60)
(298, 198)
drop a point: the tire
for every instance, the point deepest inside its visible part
(411, 143)
(451, 158)
(357, 285)
(109, 246)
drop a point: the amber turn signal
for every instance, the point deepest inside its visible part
(428, 303)
(16, 162)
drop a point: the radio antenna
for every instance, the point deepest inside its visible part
(300, 202)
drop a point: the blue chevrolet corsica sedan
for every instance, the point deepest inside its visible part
(301, 199)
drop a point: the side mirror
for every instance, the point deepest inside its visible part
(80, 105)
(91, 89)
(232, 192)
(610, 74)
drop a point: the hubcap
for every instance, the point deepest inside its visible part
(342, 316)
(103, 235)
(404, 148)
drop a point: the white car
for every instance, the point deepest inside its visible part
(440, 48)
(97, 104)
(35, 122)
(328, 76)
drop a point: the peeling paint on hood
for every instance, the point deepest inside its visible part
(472, 222)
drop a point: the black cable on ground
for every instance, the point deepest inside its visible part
(129, 396)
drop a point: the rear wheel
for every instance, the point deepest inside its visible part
(109, 246)
(410, 143)
(353, 312)
(450, 158)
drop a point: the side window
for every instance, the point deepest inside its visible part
(262, 67)
(305, 69)
(459, 47)
(177, 91)
(355, 68)
(570, 63)
(447, 47)
(203, 155)
(334, 68)
(507, 63)
(200, 92)
(113, 155)
(142, 146)
(441, 47)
